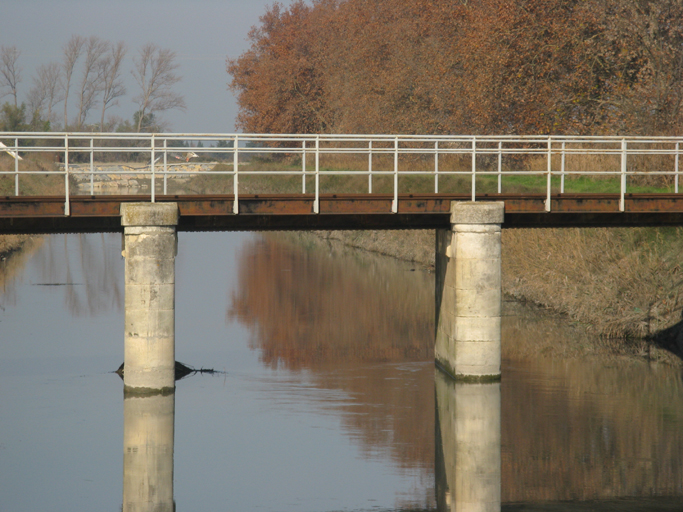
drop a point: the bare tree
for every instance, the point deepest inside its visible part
(112, 84)
(91, 79)
(10, 72)
(45, 90)
(51, 75)
(155, 74)
(36, 98)
(72, 52)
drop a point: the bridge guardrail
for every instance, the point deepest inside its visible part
(554, 159)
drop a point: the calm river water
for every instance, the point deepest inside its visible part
(325, 400)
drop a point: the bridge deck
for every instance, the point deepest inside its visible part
(337, 211)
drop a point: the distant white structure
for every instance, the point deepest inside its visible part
(180, 156)
(188, 155)
(15, 154)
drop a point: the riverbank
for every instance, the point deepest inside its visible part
(622, 286)
(10, 244)
(15, 251)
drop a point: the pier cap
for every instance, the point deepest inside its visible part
(149, 214)
(484, 212)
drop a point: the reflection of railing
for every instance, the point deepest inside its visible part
(469, 157)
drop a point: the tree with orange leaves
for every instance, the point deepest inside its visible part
(485, 66)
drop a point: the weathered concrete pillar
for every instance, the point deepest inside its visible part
(468, 446)
(468, 292)
(148, 436)
(150, 247)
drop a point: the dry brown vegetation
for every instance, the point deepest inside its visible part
(36, 176)
(618, 282)
(10, 243)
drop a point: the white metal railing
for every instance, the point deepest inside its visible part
(482, 161)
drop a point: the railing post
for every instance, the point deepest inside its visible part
(235, 179)
(16, 167)
(303, 167)
(624, 149)
(316, 203)
(550, 174)
(500, 167)
(562, 168)
(92, 168)
(370, 167)
(67, 206)
(678, 147)
(394, 203)
(165, 167)
(436, 167)
(153, 181)
(474, 169)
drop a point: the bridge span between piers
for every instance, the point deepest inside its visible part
(466, 188)
(263, 212)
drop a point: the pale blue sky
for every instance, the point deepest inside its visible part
(202, 33)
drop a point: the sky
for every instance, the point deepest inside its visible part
(201, 32)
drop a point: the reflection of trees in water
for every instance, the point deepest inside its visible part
(582, 423)
(571, 428)
(338, 316)
(388, 411)
(306, 308)
(591, 431)
(88, 271)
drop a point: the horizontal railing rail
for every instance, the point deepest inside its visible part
(484, 161)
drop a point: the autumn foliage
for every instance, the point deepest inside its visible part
(477, 66)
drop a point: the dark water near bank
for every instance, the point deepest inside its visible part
(326, 397)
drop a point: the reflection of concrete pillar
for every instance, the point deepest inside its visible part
(467, 446)
(150, 247)
(468, 292)
(148, 453)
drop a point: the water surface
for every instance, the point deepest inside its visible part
(326, 397)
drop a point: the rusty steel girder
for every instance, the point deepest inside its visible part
(338, 211)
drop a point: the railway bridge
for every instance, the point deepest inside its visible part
(467, 188)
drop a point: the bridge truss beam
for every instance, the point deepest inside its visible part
(38, 215)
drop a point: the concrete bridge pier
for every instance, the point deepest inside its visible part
(150, 246)
(468, 292)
